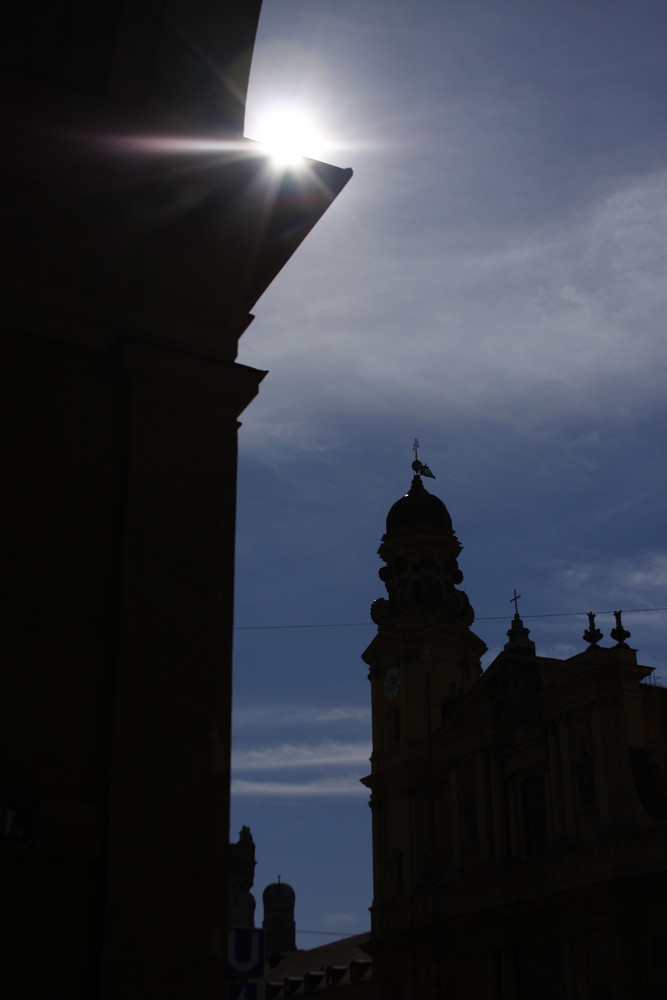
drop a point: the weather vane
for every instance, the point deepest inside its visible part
(419, 467)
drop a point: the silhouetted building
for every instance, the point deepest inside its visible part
(279, 926)
(520, 813)
(241, 877)
(340, 968)
(138, 229)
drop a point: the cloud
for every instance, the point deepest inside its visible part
(651, 577)
(320, 788)
(289, 715)
(639, 579)
(555, 317)
(289, 756)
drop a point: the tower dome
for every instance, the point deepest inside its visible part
(279, 900)
(420, 550)
(418, 509)
(279, 895)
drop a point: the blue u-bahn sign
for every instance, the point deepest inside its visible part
(245, 953)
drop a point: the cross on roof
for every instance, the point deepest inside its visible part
(515, 601)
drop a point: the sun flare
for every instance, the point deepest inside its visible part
(288, 133)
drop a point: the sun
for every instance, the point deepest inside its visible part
(289, 133)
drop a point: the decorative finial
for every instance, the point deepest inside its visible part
(419, 467)
(515, 601)
(619, 633)
(592, 635)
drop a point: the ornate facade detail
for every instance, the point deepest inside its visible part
(592, 635)
(620, 634)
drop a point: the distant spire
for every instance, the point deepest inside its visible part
(592, 635)
(418, 467)
(619, 633)
(518, 636)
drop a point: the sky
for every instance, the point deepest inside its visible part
(492, 282)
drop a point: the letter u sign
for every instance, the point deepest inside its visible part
(245, 952)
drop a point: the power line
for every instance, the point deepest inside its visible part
(484, 618)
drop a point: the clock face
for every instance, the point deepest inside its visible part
(392, 682)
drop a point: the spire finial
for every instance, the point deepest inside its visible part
(619, 633)
(592, 635)
(419, 467)
(518, 635)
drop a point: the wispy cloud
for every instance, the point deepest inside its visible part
(290, 756)
(651, 576)
(320, 788)
(639, 580)
(562, 314)
(289, 715)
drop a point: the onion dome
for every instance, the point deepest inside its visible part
(279, 895)
(279, 927)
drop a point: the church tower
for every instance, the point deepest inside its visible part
(520, 813)
(422, 661)
(279, 900)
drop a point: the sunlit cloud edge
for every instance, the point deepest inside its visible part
(324, 788)
(292, 756)
(287, 716)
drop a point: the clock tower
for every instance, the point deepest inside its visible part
(422, 661)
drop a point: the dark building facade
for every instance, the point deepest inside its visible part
(339, 969)
(520, 813)
(132, 260)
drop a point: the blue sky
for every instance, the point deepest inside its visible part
(491, 281)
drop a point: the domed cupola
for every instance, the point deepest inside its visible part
(418, 509)
(420, 550)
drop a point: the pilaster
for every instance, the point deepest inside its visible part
(168, 818)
